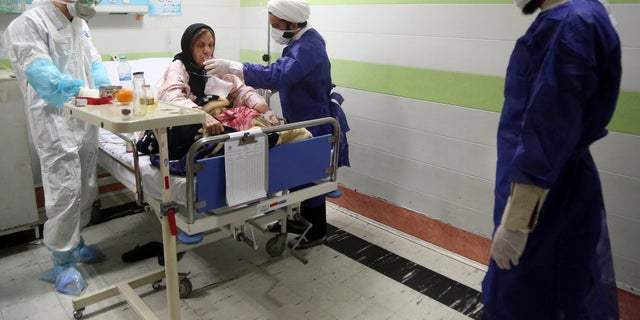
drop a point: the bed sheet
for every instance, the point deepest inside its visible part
(150, 175)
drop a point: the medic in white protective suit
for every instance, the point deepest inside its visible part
(54, 59)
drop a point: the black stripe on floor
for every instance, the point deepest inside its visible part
(449, 292)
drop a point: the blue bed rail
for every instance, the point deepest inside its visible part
(289, 165)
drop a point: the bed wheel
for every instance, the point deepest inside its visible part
(185, 288)
(77, 314)
(184, 285)
(276, 245)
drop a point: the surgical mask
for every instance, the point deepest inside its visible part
(521, 3)
(84, 9)
(282, 37)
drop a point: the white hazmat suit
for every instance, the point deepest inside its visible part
(53, 59)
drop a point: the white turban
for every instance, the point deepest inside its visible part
(296, 11)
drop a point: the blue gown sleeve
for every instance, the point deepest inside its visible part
(52, 85)
(99, 74)
(297, 61)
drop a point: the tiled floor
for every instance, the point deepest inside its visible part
(233, 281)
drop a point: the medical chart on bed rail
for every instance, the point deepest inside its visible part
(245, 168)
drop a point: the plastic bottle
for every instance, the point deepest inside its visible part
(124, 73)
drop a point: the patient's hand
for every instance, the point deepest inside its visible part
(271, 117)
(212, 126)
(261, 107)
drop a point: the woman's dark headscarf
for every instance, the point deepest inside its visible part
(197, 75)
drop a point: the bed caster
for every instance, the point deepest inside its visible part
(77, 314)
(184, 286)
(276, 245)
(157, 285)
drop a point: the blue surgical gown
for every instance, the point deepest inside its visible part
(302, 76)
(561, 89)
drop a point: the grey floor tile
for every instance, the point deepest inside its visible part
(232, 281)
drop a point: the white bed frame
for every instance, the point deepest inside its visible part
(190, 216)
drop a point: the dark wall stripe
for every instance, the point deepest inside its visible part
(449, 292)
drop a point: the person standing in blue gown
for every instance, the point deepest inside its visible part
(551, 256)
(302, 77)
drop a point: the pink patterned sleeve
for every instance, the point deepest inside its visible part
(241, 94)
(174, 86)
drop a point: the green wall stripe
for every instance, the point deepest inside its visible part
(458, 89)
(5, 64)
(453, 88)
(261, 3)
(135, 56)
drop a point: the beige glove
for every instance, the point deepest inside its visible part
(523, 206)
(507, 247)
(519, 218)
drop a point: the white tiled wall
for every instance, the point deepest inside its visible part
(438, 159)
(435, 159)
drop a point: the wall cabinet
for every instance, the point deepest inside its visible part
(18, 210)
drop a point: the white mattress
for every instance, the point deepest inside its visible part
(150, 175)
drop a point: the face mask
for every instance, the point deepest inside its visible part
(82, 11)
(521, 3)
(282, 37)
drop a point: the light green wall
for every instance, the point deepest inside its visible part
(134, 56)
(6, 64)
(458, 89)
(256, 3)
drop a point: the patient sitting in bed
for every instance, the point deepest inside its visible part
(230, 104)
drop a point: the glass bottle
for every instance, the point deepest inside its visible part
(148, 93)
(139, 102)
(138, 80)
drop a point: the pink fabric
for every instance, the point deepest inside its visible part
(240, 118)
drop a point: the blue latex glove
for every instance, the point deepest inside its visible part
(99, 74)
(53, 86)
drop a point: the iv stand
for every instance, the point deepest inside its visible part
(267, 58)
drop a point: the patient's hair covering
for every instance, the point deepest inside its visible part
(189, 33)
(296, 11)
(197, 75)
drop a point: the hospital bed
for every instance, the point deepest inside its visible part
(210, 202)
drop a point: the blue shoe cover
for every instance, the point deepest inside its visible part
(70, 281)
(51, 274)
(62, 258)
(87, 254)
